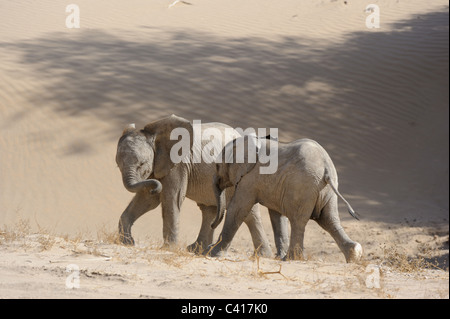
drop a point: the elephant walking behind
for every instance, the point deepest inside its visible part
(303, 187)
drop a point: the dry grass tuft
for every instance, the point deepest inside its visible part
(21, 233)
(108, 236)
(19, 230)
(399, 260)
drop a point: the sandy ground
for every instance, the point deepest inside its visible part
(376, 99)
(42, 266)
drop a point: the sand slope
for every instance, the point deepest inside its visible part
(376, 99)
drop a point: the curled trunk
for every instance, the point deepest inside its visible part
(132, 185)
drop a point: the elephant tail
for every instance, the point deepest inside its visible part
(351, 211)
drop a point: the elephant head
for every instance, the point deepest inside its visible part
(143, 156)
(238, 158)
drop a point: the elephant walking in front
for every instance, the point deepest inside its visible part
(145, 161)
(304, 186)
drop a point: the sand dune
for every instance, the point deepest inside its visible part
(376, 99)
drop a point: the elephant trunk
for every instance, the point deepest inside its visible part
(132, 185)
(221, 202)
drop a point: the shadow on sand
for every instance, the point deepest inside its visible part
(356, 98)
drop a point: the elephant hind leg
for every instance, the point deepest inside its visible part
(329, 221)
(296, 247)
(280, 226)
(298, 221)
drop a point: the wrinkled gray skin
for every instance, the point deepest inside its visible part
(143, 156)
(304, 187)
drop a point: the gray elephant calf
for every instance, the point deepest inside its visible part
(303, 187)
(145, 160)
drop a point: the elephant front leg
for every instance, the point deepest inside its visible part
(220, 248)
(125, 236)
(205, 236)
(141, 203)
(259, 237)
(170, 225)
(238, 210)
(172, 197)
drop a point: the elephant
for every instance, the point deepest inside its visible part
(144, 159)
(304, 186)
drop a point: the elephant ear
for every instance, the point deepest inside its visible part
(238, 170)
(245, 156)
(129, 128)
(161, 130)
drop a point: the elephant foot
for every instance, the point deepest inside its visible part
(168, 246)
(126, 240)
(294, 255)
(354, 253)
(214, 251)
(264, 252)
(281, 256)
(196, 248)
(217, 253)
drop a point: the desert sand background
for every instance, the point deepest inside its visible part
(376, 99)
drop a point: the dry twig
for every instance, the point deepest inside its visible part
(263, 273)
